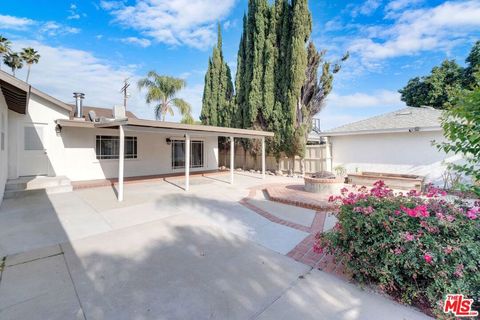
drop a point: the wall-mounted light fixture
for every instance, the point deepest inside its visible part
(58, 129)
(169, 141)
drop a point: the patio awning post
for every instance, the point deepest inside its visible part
(232, 158)
(187, 162)
(121, 162)
(263, 157)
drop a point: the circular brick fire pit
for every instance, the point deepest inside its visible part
(319, 182)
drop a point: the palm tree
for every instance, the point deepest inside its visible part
(163, 90)
(4, 48)
(30, 56)
(14, 61)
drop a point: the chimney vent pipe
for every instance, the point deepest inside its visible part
(78, 104)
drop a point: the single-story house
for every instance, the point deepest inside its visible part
(394, 142)
(43, 136)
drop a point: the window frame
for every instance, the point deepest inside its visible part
(192, 166)
(115, 148)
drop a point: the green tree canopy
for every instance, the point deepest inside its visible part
(30, 56)
(162, 91)
(441, 86)
(4, 48)
(14, 61)
(461, 128)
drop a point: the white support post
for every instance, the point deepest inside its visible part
(328, 155)
(263, 157)
(187, 162)
(232, 158)
(121, 162)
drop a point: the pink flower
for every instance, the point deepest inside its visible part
(473, 213)
(397, 212)
(413, 193)
(398, 251)
(317, 249)
(450, 218)
(409, 237)
(448, 250)
(428, 258)
(458, 271)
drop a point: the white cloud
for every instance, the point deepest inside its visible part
(62, 71)
(414, 31)
(137, 41)
(174, 22)
(343, 109)
(379, 99)
(367, 8)
(397, 5)
(14, 23)
(53, 29)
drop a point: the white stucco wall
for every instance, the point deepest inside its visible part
(153, 155)
(393, 153)
(4, 151)
(71, 153)
(44, 112)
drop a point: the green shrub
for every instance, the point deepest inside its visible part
(415, 247)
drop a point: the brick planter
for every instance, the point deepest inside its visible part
(320, 185)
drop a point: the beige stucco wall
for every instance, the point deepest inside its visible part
(392, 152)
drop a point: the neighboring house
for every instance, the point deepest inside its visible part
(43, 136)
(395, 142)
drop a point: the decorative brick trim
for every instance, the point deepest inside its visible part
(303, 252)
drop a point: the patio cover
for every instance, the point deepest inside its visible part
(187, 130)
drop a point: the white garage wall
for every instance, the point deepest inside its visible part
(153, 155)
(392, 152)
(4, 150)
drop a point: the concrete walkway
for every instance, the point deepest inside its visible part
(164, 254)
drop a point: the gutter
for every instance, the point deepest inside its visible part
(380, 131)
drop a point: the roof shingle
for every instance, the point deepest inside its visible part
(405, 118)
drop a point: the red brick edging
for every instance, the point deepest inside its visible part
(303, 252)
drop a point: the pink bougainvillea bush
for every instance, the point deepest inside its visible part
(415, 246)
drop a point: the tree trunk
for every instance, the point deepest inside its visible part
(28, 72)
(302, 166)
(291, 170)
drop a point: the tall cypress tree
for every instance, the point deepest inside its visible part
(217, 107)
(301, 29)
(240, 85)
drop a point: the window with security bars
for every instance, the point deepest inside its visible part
(178, 154)
(108, 147)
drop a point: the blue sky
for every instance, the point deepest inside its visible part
(91, 46)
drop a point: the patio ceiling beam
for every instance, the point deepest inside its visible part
(182, 132)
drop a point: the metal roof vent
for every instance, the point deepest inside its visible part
(79, 105)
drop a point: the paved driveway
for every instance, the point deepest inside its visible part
(164, 254)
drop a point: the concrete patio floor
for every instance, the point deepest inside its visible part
(166, 254)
